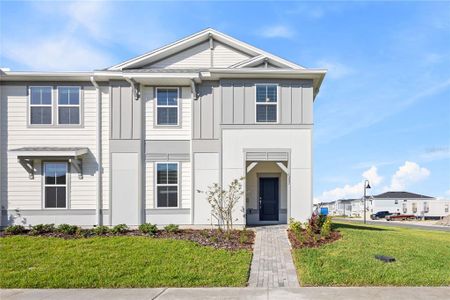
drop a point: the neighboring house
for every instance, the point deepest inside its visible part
(395, 202)
(159, 127)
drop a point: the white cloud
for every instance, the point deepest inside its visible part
(351, 191)
(57, 54)
(277, 31)
(406, 175)
(336, 70)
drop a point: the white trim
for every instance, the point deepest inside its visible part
(44, 185)
(40, 105)
(156, 184)
(68, 105)
(267, 103)
(167, 106)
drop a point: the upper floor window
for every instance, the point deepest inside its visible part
(69, 105)
(41, 105)
(55, 184)
(167, 104)
(426, 207)
(266, 103)
(167, 184)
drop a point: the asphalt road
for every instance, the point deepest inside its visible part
(395, 224)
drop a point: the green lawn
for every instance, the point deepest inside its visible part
(423, 258)
(42, 262)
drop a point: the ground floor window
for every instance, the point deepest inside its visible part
(55, 184)
(167, 184)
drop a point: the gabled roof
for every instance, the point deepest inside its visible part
(195, 39)
(401, 195)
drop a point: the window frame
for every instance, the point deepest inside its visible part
(178, 106)
(156, 184)
(68, 105)
(277, 103)
(44, 185)
(29, 105)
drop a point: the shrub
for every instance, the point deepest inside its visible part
(326, 228)
(67, 229)
(120, 228)
(42, 229)
(243, 237)
(148, 228)
(101, 230)
(295, 226)
(171, 228)
(15, 229)
(85, 232)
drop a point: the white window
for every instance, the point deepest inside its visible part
(55, 184)
(266, 103)
(167, 184)
(405, 208)
(446, 208)
(396, 201)
(414, 208)
(69, 105)
(40, 104)
(426, 207)
(167, 104)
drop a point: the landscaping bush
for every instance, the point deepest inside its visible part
(101, 230)
(42, 229)
(15, 229)
(148, 228)
(120, 228)
(326, 228)
(67, 229)
(172, 228)
(295, 226)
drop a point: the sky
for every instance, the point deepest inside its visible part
(382, 114)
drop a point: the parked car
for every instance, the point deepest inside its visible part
(380, 215)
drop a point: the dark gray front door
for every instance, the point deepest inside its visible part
(268, 199)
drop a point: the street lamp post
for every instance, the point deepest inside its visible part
(366, 186)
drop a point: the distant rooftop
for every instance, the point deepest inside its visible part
(400, 195)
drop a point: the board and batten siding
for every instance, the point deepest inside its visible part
(295, 99)
(201, 56)
(181, 132)
(185, 184)
(24, 193)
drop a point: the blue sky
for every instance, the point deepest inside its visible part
(383, 112)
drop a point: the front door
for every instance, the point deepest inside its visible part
(268, 199)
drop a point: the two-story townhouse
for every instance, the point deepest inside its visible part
(135, 142)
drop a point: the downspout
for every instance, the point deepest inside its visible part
(98, 208)
(133, 87)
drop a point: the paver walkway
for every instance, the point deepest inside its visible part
(272, 264)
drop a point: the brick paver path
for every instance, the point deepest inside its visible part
(272, 264)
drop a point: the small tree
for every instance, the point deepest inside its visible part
(224, 201)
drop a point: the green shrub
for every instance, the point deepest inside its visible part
(67, 229)
(42, 229)
(148, 228)
(101, 230)
(243, 237)
(326, 228)
(172, 228)
(15, 229)
(295, 226)
(120, 228)
(85, 232)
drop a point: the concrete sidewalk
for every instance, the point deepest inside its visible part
(316, 293)
(404, 224)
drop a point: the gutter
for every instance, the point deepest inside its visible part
(98, 208)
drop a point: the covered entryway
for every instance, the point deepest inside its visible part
(267, 187)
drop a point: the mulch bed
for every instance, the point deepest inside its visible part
(234, 240)
(311, 243)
